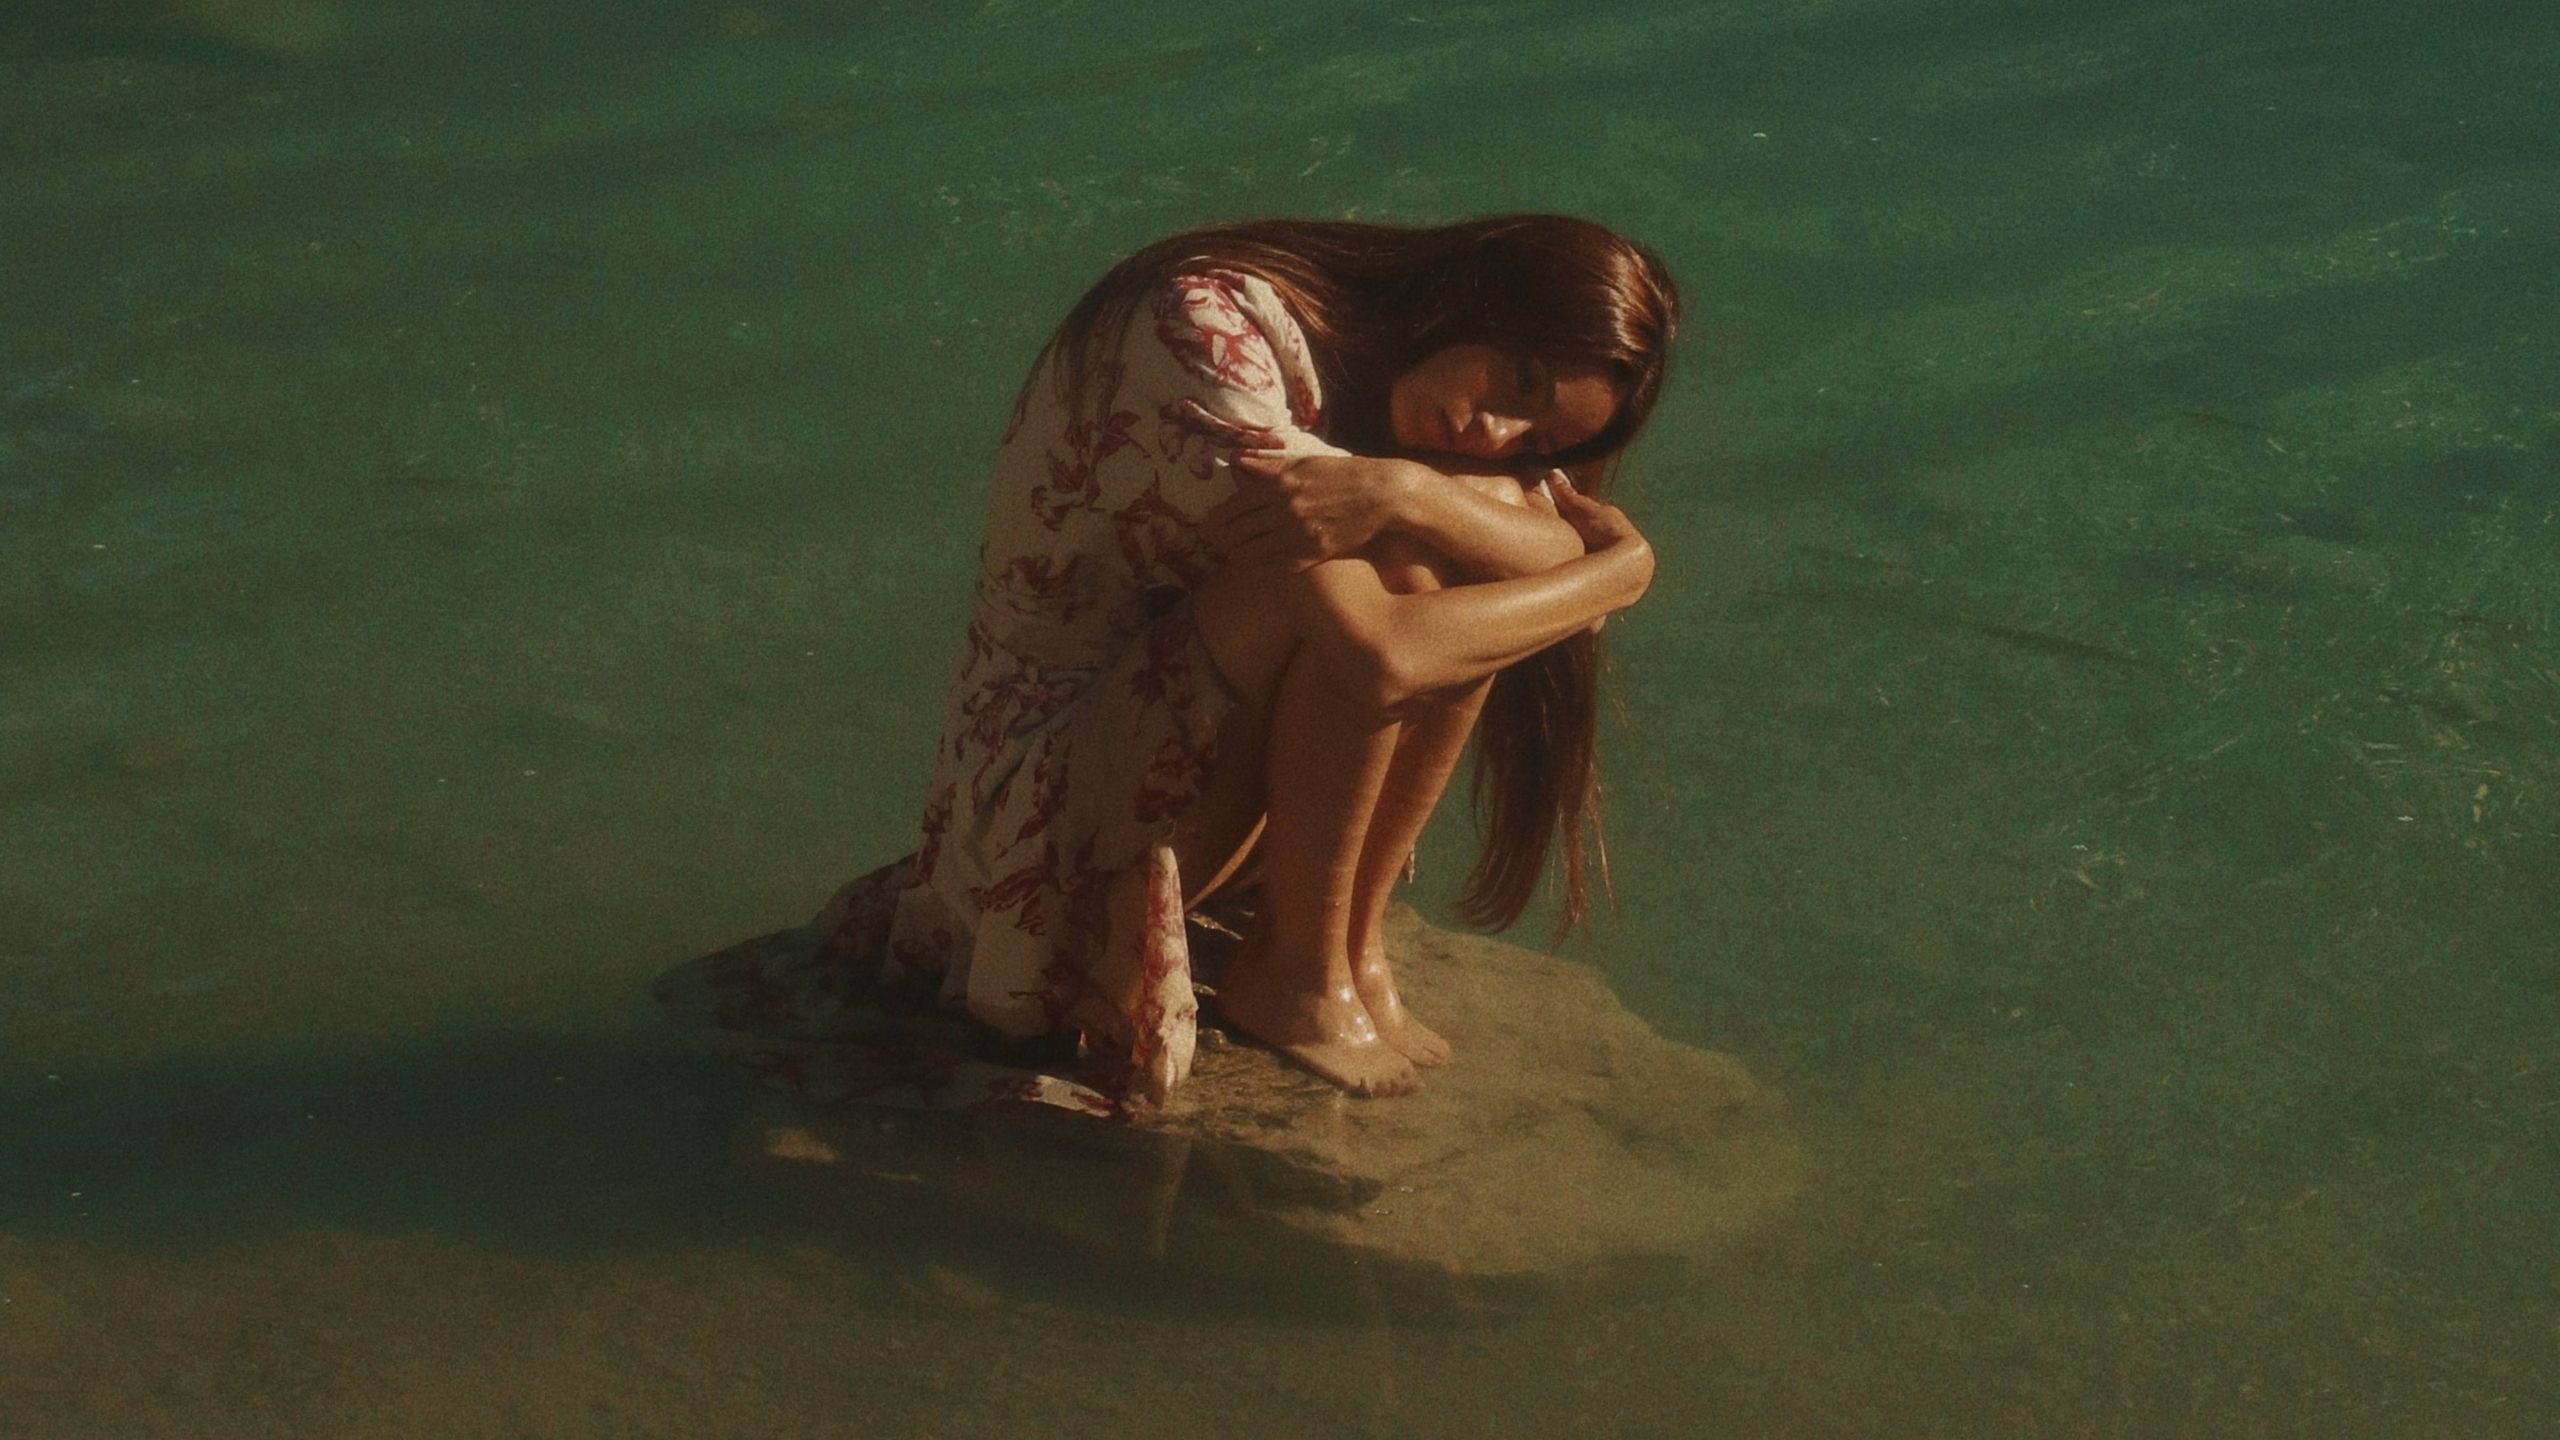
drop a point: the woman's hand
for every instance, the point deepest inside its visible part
(1605, 528)
(1303, 512)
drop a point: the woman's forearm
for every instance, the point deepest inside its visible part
(1460, 634)
(1486, 537)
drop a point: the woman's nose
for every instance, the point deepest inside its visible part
(1494, 433)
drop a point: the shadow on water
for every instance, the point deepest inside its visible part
(584, 1149)
(518, 1142)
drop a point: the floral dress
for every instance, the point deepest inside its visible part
(1082, 723)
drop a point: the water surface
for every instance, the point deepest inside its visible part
(477, 482)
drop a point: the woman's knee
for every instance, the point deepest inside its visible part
(1332, 615)
(1348, 629)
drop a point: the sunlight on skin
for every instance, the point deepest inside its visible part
(1313, 979)
(1491, 403)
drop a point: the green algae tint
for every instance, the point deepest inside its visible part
(487, 496)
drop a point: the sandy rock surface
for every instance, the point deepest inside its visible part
(1567, 1142)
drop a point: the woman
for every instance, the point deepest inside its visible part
(1281, 506)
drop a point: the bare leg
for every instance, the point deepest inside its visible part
(1430, 741)
(1214, 841)
(1333, 659)
(1291, 983)
(1326, 734)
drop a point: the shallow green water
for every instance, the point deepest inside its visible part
(486, 496)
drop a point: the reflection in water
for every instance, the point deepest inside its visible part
(477, 484)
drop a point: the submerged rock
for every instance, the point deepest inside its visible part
(1566, 1143)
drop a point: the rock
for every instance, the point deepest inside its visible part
(1566, 1145)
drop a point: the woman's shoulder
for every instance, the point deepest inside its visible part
(1231, 330)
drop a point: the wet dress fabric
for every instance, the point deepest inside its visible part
(1082, 723)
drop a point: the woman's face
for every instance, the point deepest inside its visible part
(1495, 403)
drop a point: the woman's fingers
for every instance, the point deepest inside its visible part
(1599, 524)
(1265, 537)
(1250, 529)
(1313, 506)
(1571, 503)
(1266, 519)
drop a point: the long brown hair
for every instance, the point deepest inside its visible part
(1375, 300)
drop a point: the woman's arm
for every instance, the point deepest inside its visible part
(1311, 508)
(1490, 526)
(1463, 633)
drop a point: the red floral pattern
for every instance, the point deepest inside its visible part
(1044, 897)
(1200, 323)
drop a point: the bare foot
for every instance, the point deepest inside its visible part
(1404, 1033)
(1329, 1034)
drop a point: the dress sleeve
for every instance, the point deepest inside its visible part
(1235, 368)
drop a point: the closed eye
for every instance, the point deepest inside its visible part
(1534, 394)
(1535, 389)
